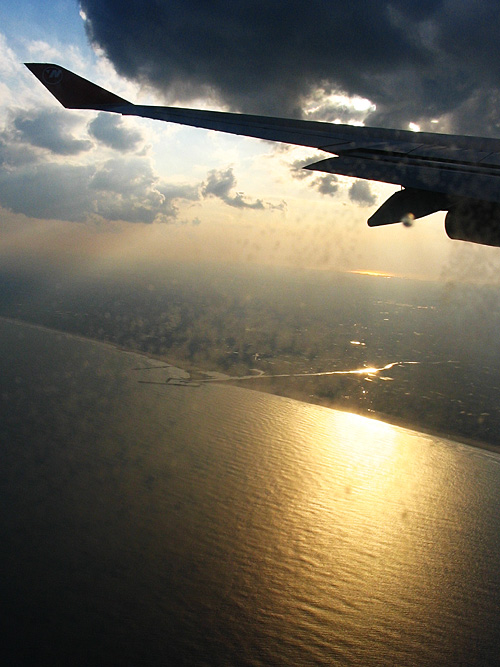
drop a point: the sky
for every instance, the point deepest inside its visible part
(87, 191)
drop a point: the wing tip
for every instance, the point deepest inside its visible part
(71, 90)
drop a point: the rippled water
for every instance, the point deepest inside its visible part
(213, 525)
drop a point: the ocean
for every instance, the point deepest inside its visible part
(146, 522)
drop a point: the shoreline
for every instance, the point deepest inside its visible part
(211, 376)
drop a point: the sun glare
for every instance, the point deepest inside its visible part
(377, 274)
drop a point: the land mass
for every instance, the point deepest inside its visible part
(416, 354)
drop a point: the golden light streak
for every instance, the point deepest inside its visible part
(377, 274)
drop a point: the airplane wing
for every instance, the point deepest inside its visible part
(438, 172)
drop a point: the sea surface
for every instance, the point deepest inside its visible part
(154, 524)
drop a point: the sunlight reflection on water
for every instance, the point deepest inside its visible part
(224, 526)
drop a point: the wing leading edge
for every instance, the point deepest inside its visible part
(454, 173)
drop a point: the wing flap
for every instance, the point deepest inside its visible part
(437, 177)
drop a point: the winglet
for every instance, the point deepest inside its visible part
(71, 90)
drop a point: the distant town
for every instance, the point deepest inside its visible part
(424, 354)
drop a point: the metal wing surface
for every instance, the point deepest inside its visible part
(458, 174)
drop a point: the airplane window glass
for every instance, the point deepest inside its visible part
(249, 316)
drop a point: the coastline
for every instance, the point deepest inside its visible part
(197, 376)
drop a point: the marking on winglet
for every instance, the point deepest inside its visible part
(52, 75)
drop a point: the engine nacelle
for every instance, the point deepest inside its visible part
(471, 220)
(474, 221)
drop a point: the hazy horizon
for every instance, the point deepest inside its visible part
(305, 324)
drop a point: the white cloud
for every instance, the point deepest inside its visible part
(43, 52)
(8, 61)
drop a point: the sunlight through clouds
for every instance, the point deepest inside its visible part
(143, 171)
(337, 108)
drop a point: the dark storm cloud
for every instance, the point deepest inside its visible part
(49, 129)
(360, 193)
(415, 60)
(111, 131)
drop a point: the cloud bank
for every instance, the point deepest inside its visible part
(435, 59)
(110, 131)
(54, 165)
